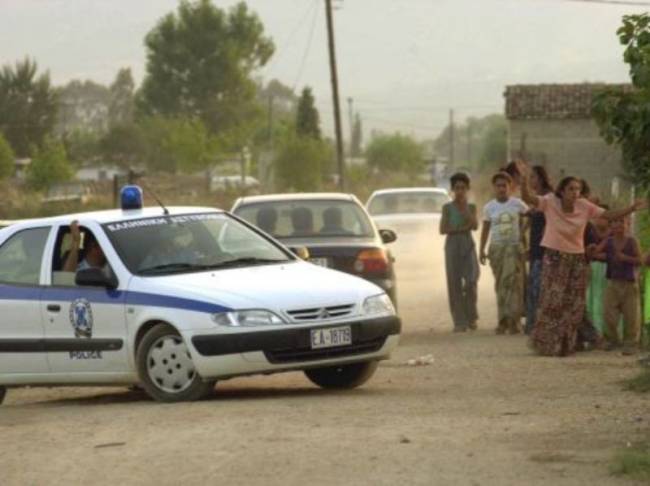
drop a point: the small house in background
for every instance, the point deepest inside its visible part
(100, 173)
(552, 125)
(21, 166)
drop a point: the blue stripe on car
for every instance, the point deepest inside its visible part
(101, 296)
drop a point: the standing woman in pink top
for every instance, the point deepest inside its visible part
(563, 290)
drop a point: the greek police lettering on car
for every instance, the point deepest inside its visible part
(222, 300)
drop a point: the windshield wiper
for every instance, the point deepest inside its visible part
(173, 267)
(246, 261)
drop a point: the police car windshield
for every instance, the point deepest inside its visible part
(189, 243)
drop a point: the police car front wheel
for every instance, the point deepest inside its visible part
(342, 376)
(165, 367)
(3, 392)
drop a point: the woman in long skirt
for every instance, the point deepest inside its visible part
(562, 299)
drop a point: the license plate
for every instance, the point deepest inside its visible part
(321, 262)
(331, 337)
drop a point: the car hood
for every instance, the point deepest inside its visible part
(279, 288)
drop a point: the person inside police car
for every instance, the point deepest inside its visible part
(93, 255)
(170, 248)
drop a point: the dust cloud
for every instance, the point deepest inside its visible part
(422, 286)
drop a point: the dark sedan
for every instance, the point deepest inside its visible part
(335, 228)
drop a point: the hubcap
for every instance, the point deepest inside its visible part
(169, 364)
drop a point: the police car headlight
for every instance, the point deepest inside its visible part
(247, 318)
(378, 305)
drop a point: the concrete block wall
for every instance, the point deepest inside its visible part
(568, 147)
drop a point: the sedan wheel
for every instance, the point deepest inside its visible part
(166, 369)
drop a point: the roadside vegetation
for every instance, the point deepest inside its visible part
(633, 462)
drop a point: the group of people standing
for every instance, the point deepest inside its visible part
(548, 250)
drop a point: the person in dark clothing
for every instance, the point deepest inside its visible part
(540, 183)
(623, 256)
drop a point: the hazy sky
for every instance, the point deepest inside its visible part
(404, 62)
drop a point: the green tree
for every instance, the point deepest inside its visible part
(479, 143)
(7, 159)
(301, 163)
(200, 62)
(357, 137)
(395, 153)
(121, 104)
(123, 145)
(81, 146)
(49, 165)
(493, 144)
(28, 106)
(82, 106)
(177, 144)
(282, 96)
(623, 114)
(307, 117)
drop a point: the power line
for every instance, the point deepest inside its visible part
(309, 42)
(432, 109)
(282, 49)
(614, 2)
(403, 124)
(421, 108)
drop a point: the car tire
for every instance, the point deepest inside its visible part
(342, 376)
(3, 393)
(165, 367)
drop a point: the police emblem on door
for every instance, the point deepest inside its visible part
(81, 318)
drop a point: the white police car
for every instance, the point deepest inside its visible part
(175, 300)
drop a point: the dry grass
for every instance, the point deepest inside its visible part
(639, 384)
(633, 462)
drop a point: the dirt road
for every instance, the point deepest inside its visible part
(485, 412)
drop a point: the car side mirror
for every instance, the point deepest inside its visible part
(387, 236)
(95, 277)
(301, 252)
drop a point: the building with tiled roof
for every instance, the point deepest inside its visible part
(552, 125)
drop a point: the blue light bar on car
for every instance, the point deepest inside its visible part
(131, 198)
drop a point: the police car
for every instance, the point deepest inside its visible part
(174, 300)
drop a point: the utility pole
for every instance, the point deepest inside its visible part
(270, 124)
(351, 116)
(335, 95)
(469, 143)
(451, 138)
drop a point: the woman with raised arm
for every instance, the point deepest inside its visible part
(563, 288)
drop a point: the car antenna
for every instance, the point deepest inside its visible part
(155, 198)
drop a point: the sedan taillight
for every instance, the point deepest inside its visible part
(371, 261)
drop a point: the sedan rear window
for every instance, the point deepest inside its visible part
(408, 203)
(308, 218)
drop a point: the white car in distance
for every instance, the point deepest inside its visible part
(411, 212)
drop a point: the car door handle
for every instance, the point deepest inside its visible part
(53, 307)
